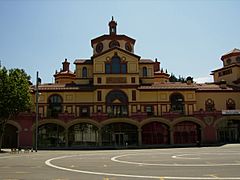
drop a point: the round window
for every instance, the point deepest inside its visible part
(99, 47)
(128, 47)
(229, 61)
(114, 43)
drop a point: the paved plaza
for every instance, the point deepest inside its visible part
(211, 163)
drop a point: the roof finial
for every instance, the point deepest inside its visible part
(112, 18)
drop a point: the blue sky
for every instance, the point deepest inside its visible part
(187, 37)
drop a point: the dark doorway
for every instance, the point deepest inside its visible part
(10, 138)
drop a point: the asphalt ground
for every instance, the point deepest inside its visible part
(174, 163)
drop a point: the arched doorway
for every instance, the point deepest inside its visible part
(177, 102)
(51, 135)
(155, 133)
(83, 134)
(187, 132)
(10, 138)
(117, 104)
(119, 134)
(228, 131)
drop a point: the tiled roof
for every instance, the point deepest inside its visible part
(146, 61)
(185, 86)
(65, 72)
(233, 52)
(169, 85)
(53, 87)
(83, 61)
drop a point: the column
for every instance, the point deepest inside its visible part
(171, 136)
(129, 110)
(66, 138)
(139, 136)
(100, 136)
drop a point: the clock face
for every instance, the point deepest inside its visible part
(99, 47)
(128, 47)
(114, 43)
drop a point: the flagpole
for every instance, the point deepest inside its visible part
(36, 123)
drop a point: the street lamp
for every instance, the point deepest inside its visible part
(38, 80)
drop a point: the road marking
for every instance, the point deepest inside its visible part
(116, 159)
(48, 163)
(213, 175)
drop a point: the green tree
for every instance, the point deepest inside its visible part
(14, 95)
(173, 78)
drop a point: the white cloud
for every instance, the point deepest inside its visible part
(203, 79)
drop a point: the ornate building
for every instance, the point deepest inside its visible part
(116, 98)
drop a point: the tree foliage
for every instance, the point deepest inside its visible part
(173, 78)
(14, 95)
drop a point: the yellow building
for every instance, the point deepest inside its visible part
(116, 99)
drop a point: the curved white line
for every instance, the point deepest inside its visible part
(115, 159)
(48, 163)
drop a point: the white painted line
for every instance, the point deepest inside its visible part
(48, 163)
(115, 159)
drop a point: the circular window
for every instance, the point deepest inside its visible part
(128, 47)
(99, 47)
(229, 61)
(114, 43)
(238, 59)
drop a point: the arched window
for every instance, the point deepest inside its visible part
(117, 104)
(144, 71)
(54, 105)
(230, 104)
(177, 102)
(116, 63)
(209, 105)
(116, 66)
(84, 72)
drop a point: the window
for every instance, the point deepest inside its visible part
(84, 111)
(99, 108)
(54, 105)
(238, 59)
(108, 68)
(84, 72)
(114, 43)
(144, 72)
(134, 95)
(177, 103)
(149, 110)
(229, 61)
(225, 72)
(116, 66)
(124, 68)
(209, 105)
(230, 104)
(133, 80)
(99, 80)
(99, 95)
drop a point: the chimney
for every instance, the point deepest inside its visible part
(156, 65)
(223, 84)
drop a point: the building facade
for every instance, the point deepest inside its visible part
(117, 99)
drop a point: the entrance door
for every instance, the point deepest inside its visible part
(119, 139)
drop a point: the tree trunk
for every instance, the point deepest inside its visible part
(2, 130)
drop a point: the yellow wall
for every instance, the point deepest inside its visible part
(219, 99)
